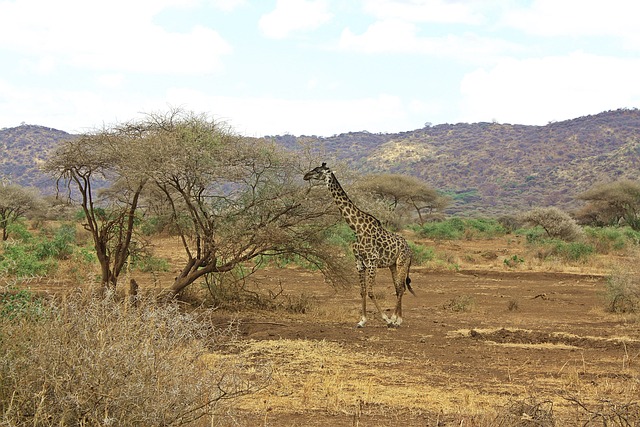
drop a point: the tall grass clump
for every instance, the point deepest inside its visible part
(87, 361)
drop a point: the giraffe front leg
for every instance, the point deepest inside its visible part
(363, 295)
(371, 280)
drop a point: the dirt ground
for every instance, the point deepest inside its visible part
(474, 345)
(482, 344)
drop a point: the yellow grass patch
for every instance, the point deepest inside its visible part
(325, 376)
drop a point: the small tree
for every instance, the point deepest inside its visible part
(612, 202)
(232, 199)
(15, 202)
(556, 223)
(95, 169)
(404, 192)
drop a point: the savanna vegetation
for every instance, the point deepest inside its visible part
(233, 207)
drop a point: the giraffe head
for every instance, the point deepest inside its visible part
(320, 173)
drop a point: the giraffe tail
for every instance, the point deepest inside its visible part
(408, 281)
(408, 285)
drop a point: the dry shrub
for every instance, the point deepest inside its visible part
(527, 412)
(556, 223)
(623, 291)
(606, 412)
(87, 361)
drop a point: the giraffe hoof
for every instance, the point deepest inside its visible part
(392, 325)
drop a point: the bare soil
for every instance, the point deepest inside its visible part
(474, 344)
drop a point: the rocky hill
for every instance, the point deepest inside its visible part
(23, 149)
(491, 168)
(487, 168)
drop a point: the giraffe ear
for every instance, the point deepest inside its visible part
(324, 165)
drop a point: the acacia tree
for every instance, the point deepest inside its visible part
(15, 202)
(404, 191)
(615, 201)
(95, 171)
(232, 199)
(556, 223)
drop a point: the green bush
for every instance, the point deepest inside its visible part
(19, 303)
(37, 256)
(573, 251)
(60, 246)
(21, 260)
(486, 228)
(451, 229)
(458, 228)
(341, 235)
(18, 231)
(533, 234)
(148, 264)
(421, 254)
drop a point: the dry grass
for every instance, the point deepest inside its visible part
(310, 376)
(86, 361)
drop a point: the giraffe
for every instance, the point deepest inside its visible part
(375, 247)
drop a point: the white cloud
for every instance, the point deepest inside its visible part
(423, 11)
(575, 18)
(382, 113)
(117, 35)
(228, 5)
(113, 80)
(294, 15)
(536, 91)
(396, 36)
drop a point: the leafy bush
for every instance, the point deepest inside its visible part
(97, 362)
(485, 228)
(150, 264)
(533, 235)
(18, 231)
(341, 235)
(458, 228)
(21, 260)
(60, 246)
(421, 254)
(607, 239)
(37, 256)
(18, 303)
(567, 251)
(450, 229)
(573, 251)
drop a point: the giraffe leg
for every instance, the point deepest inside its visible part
(399, 274)
(371, 280)
(363, 295)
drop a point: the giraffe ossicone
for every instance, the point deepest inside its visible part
(375, 247)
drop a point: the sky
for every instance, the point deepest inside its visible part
(316, 67)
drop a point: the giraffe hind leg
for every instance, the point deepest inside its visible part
(400, 275)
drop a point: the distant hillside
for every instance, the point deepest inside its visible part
(23, 149)
(491, 168)
(487, 168)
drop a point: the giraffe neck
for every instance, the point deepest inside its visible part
(358, 221)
